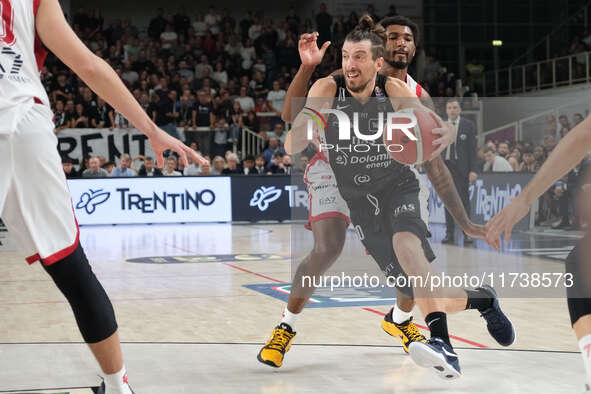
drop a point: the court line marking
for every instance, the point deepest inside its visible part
(295, 344)
(469, 342)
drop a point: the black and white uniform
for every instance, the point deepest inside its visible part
(385, 197)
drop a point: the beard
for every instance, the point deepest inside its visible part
(398, 64)
(358, 88)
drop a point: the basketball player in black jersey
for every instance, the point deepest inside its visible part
(386, 200)
(402, 36)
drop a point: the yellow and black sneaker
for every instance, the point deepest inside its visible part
(276, 347)
(407, 331)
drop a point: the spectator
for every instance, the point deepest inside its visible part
(248, 166)
(59, 117)
(323, 24)
(529, 163)
(168, 37)
(273, 148)
(276, 98)
(278, 132)
(124, 167)
(220, 138)
(577, 118)
(109, 166)
(251, 122)
(563, 121)
(515, 159)
(99, 117)
(170, 167)
(233, 168)
(503, 150)
(218, 165)
(80, 118)
(220, 75)
(204, 118)
(495, 163)
(148, 168)
(94, 170)
(192, 169)
(539, 155)
(259, 166)
(69, 170)
(205, 170)
(277, 166)
(246, 102)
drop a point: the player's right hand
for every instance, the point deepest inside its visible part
(310, 54)
(162, 141)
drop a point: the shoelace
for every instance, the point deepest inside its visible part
(494, 319)
(280, 339)
(412, 332)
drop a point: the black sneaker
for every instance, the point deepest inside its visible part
(438, 355)
(101, 389)
(498, 324)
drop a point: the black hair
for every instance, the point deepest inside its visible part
(367, 29)
(402, 21)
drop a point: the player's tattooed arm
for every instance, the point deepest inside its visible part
(311, 56)
(443, 184)
(320, 97)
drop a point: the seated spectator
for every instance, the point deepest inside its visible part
(94, 170)
(495, 163)
(273, 148)
(277, 166)
(192, 169)
(109, 166)
(577, 118)
(69, 170)
(251, 122)
(148, 168)
(232, 167)
(170, 167)
(218, 165)
(259, 166)
(80, 118)
(205, 170)
(248, 165)
(276, 98)
(514, 159)
(220, 137)
(503, 150)
(100, 117)
(539, 155)
(529, 163)
(278, 132)
(124, 167)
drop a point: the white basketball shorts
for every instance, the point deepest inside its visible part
(35, 203)
(325, 201)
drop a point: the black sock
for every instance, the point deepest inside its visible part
(437, 322)
(478, 299)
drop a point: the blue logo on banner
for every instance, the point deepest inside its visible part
(92, 198)
(323, 297)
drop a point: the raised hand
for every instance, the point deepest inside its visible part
(161, 142)
(310, 54)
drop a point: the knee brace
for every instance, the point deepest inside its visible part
(91, 305)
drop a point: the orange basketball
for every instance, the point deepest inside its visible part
(405, 150)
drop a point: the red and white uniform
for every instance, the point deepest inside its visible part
(325, 201)
(35, 203)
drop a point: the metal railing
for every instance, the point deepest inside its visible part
(547, 74)
(252, 143)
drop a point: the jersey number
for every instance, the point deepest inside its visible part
(7, 25)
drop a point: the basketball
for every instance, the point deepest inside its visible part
(402, 148)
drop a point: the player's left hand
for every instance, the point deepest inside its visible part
(479, 231)
(162, 141)
(504, 221)
(448, 135)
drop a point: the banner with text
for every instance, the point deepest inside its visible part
(151, 200)
(78, 143)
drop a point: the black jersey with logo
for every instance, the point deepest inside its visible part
(361, 166)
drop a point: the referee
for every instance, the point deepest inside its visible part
(460, 158)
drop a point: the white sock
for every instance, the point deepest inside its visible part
(400, 316)
(289, 318)
(585, 346)
(116, 383)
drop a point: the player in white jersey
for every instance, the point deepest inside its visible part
(329, 220)
(35, 203)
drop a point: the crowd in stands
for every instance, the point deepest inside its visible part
(204, 77)
(558, 206)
